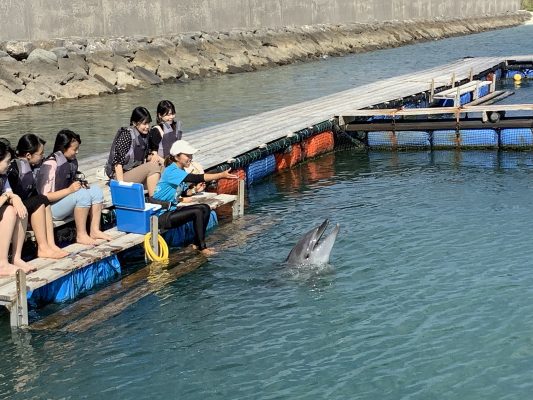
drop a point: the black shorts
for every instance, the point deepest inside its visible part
(33, 203)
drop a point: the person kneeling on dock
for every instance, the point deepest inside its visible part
(129, 158)
(30, 151)
(58, 180)
(13, 220)
(173, 189)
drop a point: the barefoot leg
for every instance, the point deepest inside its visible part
(58, 252)
(19, 234)
(96, 233)
(80, 219)
(7, 226)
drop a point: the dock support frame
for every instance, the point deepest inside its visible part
(19, 308)
(238, 204)
(154, 231)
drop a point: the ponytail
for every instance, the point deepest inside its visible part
(169, 160)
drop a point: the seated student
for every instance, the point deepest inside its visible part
(57, 181)
(163, 135)
(30, 150)
(129, 159)
(13, 220)
(173, 189)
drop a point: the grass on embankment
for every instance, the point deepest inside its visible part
(527, 5)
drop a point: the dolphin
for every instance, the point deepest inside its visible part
(309, 251)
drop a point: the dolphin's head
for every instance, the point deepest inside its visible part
(310, 250)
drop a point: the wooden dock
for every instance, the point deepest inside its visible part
(223, 142)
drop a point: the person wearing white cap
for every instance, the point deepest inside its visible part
(173, 189)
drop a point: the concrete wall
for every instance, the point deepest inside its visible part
(46, 19)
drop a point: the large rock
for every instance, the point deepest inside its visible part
(60, 52)
(126, 81)
(43, 56)
(168, 72)
(19, 50)
(89, 87)
(73, 63)
(4, 57)
(150, 59)
(143, 74)
(103, 73)
(8, 99)
(10, 81)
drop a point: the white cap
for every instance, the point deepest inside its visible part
(182, 146)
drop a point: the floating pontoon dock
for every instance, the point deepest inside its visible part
(263, 140)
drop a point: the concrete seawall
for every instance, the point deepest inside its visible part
(47, 19)
(40, 72)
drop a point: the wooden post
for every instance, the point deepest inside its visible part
(432, 90)
(154, 230)
(457, 100)
(19, 310)
(493, 85)
(475, 95)
(471, 76)
(453, 80)
(238, 205)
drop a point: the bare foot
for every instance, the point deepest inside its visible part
(59, 250)
(100, 235)
(23, 265)
(7, 269)
(85, 239)
(51, 253)
(208, 251)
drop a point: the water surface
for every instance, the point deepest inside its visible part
(428, 295)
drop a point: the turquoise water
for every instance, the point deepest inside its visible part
(428, 294)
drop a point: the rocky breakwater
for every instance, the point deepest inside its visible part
(41, 72)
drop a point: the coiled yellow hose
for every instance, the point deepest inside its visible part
(163, 248)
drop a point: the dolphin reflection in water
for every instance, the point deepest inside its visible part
(310, 250)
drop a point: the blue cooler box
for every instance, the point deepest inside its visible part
(133, 214)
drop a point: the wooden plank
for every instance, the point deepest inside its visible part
(71, 263)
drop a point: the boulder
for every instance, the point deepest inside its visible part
(143, 74)
(88, 87)
(60, 52)
(127, 81)
(43, 56)
(18, 49)
(73, 63)
(10, 81)
(168, 72)
(101, 59)
(150, 59)
(33, 96)
(6, 57)
(8, 99)
(105, 74)
(36, 67)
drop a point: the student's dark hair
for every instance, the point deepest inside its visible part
(169, 160)
(140, 115)
(64, 139)
(29, 143)
(163, 108)
(5, 149)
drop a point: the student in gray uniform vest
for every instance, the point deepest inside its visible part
(30, 151)
(13, 219)
(68, 195)
(129, 159)
(163, 135)
(167, 131)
